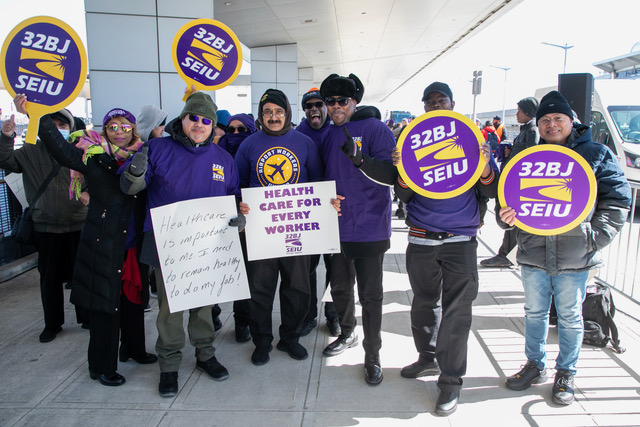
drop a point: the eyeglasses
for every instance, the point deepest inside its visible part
(343, 101)
(557, 120)
(113, 127)
(278, 113)
(310, 105)
(195, 119)
(239, 129)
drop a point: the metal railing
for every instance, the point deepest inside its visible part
(622, 256)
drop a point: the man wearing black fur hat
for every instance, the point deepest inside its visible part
(559, 265)
(363, 177)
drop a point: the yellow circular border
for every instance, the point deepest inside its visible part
(44, 109)
(174, 54)
(476, 175)
(559, 149)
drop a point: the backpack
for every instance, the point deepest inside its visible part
(492, 139)
(598, 310)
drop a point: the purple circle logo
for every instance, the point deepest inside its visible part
(441, 155)
(207, 54)
(551, 187)
(44, 59)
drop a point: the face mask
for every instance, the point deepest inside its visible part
(64, 132)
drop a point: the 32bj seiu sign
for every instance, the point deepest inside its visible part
(551, 187)
(441, 155)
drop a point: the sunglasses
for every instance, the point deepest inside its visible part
(310, 105)
(343, 101)
(113, 127)
(239, 129)
(195, 119)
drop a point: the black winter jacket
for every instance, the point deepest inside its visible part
(97, 277)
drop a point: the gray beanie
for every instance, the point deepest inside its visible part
(529, 106)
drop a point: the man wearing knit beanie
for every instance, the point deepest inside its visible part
(184, 160)
(277, 155)
(559, 265)
(528, 137)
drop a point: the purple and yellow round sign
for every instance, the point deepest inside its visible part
(43, 58)
(207, 54)
(441, 155)
(551, 187)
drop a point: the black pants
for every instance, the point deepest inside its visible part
(509, 241)
(294, 297)
(329, 309)
(132, 336)
(103, 342)
(444, 280)
(56, 257)
(368, 271)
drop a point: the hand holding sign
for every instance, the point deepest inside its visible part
(206, 54)
(440, 155)
(43, 58)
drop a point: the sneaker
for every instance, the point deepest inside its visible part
(420, 369)
(294, 349)
(213, 368)
(341, 344)
(49, 334)
(497, 262)
(153, 294)
(168, 386)
(562, 391)
(529, 374)
(447, 403)
(147, 308)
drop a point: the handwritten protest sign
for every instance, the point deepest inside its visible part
(551, 187)
(43, 58)
(206, 54)
(200, 254)
(441, 155)
(290, 220)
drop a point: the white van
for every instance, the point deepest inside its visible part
(615, 120)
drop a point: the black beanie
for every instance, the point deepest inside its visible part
(336, 85)
(274, 96)
(553, 102)
(529, 106)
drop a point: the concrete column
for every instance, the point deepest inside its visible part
(305, 82)
(129, 50)
(275, 67)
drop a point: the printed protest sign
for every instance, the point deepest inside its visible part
(206, 54)
(43, 58)
(200, 254)
(441, 155)
(290, 220)
(551, 187)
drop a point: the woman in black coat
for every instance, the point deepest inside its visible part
(107, 280)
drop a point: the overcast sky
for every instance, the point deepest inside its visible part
(597, 29)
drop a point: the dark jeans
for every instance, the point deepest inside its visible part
(368, 271)
(444, 280)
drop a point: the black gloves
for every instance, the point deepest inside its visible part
(240, 221)
(138, 164)
(351, 149)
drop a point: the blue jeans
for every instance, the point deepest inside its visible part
(569, 291)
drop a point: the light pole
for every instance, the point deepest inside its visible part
(504, 91)
(566, 47)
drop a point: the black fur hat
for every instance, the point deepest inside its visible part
(336, 85)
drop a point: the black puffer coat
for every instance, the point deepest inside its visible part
(97, 278)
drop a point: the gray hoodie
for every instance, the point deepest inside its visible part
(149, 118)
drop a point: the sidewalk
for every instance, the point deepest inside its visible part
(49, 384)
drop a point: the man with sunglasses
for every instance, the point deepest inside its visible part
(315, 125)
(277, 155)
(363, 178)
(177, 168)
(442, 268)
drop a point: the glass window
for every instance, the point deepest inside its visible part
(627, 121)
